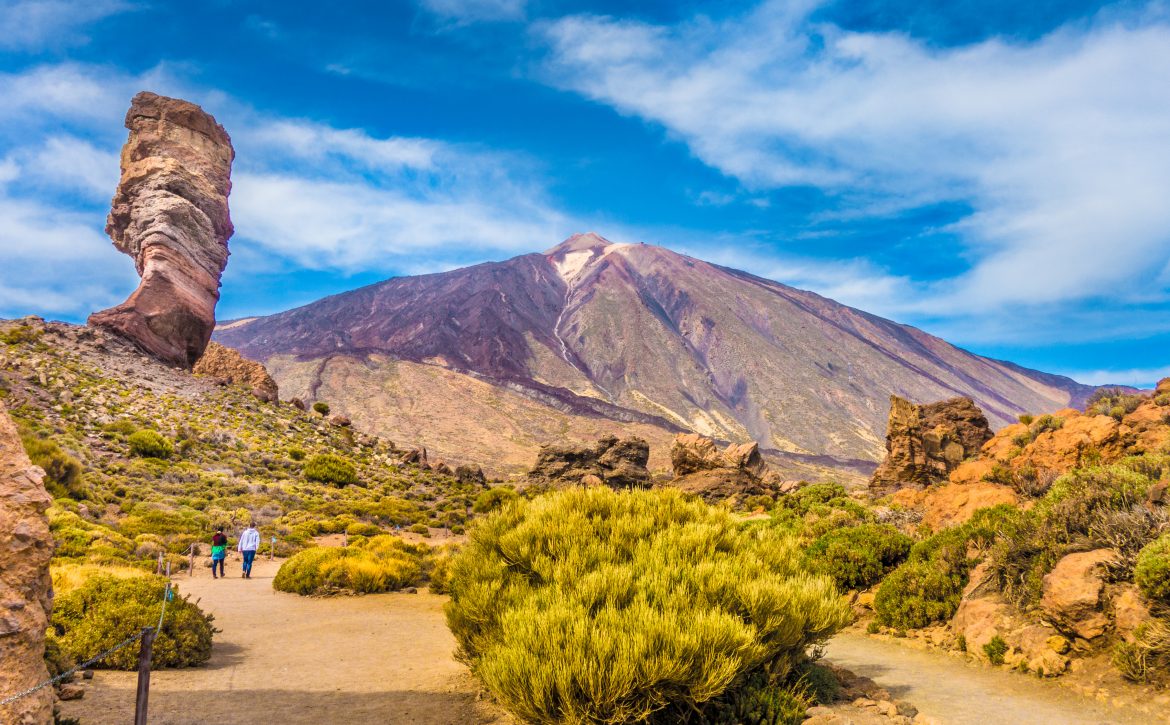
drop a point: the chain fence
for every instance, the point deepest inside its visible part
(93, 660)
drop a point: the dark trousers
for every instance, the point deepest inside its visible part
(248, 557)
(215, 563)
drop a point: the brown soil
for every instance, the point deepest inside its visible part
(286, 659)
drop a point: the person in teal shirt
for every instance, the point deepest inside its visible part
(218, 552)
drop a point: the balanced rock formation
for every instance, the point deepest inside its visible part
(614, 462)
(26, 591)
(924, 443)
(229, 366)
(170, 214)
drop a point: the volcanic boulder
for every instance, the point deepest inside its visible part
(618, 463)
(224, 363)
(170, 214)
(26, 591)
(737, 471)
(924, 443)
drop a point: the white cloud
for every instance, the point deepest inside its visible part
(36, 24)
(471, 11)
(1140, 377)
(1061, 146)
(305, 194)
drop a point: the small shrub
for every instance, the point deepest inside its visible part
(107, 609)
(995, 650)
(1152, 571)
(296, 454)
(918, 594)
(332, 469)
(1162, 400)
(961, 643)
(378, 564)
(756, 702)
(1026, 418)
(62, 471)
(420, 528)
(1147, 657)
(608, 584)
(147, 443)
(859, 556)
(1047, 423)
(493, 498)
(321, 407)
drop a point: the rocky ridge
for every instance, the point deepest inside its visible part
(170, 214)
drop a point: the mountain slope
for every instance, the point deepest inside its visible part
(637, 334)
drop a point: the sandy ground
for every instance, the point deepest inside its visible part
(286, 659)
(957, 693)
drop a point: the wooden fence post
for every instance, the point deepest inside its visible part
(191, 562)
(144, 656)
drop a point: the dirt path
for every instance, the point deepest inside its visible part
(957, 693)
(286, 659)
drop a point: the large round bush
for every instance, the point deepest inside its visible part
(378, 564)
(147, 443)
(328, 468)
(602, 606)
(106, 610)
(1152, 572)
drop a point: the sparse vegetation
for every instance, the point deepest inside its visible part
(321, 407)
(995, 650)
(607, 583)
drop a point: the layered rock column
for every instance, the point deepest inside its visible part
(170, 214)
(26, 590)
(924, 443)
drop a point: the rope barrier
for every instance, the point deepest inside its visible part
(69, 673)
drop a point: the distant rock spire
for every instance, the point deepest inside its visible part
(170, 214)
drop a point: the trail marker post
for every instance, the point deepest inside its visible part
(144, 657)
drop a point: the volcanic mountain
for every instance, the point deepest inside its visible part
(488, 362)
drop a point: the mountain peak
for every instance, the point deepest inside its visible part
(586, 242)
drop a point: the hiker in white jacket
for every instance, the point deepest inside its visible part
(249, 542)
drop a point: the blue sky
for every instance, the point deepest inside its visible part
(997, 173)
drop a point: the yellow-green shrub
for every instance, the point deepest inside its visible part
(62, 471)
(378, 564)
(107, 609)
(1152, 572)
(858, 556)
(147, 443)
(602, 606)
(328, 468)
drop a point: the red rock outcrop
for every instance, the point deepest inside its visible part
(924, 443)
(619, 463)
(738, 471)
(170, 214)
(26, 591)
(224, 363)
(1072, 593)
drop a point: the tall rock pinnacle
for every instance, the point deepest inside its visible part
(170, 214)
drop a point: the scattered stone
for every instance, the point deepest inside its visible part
(170, 213)
(71, 691)
(341, 421)
(1058, 644)
(905, 708)
(298, 404)
(1130, 611)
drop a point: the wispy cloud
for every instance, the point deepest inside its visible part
(1061, 146)
(38, 24)
(1139, 377)
(306, 195)
(472, 11)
